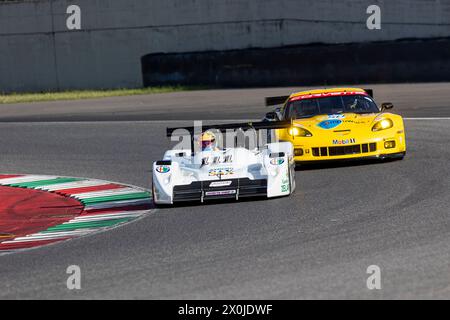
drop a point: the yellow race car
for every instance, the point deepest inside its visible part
(338, 124)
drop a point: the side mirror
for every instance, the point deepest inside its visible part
(272, 116)
(386, 106)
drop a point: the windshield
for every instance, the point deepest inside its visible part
(306, 108)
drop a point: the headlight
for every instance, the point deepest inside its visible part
(382, 125)
(299, 132)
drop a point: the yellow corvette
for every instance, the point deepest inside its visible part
(338, 124)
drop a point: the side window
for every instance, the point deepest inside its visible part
(307, 108)
(370, 104)
(302, 108)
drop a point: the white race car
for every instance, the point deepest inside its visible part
(225, 173)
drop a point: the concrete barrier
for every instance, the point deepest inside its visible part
(320, 64)
(39, 52)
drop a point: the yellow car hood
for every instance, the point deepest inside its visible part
(338, 122)
(345, 128)
(345, 121)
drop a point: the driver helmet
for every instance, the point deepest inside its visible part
(208, 141)
(354, 104)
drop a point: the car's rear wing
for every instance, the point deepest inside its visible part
(192, 131)
(274, 101)
(369, 92)
(268, 125)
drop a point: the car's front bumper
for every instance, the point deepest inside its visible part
(237, 188)
(387, 156)
(377, 148)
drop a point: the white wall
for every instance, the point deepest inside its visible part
(39, 53)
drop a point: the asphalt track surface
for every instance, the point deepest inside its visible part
(317, 243)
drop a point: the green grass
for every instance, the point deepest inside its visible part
(88, 94)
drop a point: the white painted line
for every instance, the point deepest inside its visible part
(433, 118)
(108, 122)
(165, 121)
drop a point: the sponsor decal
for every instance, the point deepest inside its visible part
(354, 121)
(329, 124)
(162, 169)
(220, 193)
(344, 141)
(277, 161)
(216, 184)
(217, 159)
(336, 116)
(285, 184)
(220, 172)
(327, 94)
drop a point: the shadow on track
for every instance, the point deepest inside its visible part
(342, 164)
(213, 202)
(303, 167)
